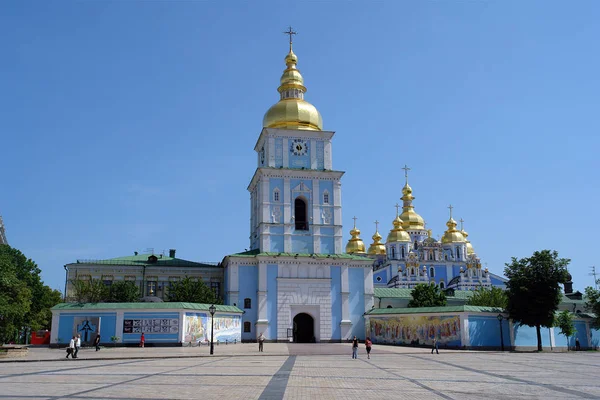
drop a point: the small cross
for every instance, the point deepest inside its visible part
(354, 218)
(461, 224)
(290, 32)
(376, 225)
(450, 207)
(397, 207)
(406, 169)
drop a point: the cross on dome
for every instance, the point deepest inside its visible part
(406, 169)
(376, 225)
(397, 208)
(354, 218)
(450, 207)
(290, 32)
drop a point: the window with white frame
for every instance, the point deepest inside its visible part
(431, 272)
(276, 195)
(442, 285)
(326, 197)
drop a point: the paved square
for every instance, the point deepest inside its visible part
(323, 371)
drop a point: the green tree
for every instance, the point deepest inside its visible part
(489, 297)
(426, 295)
(40, 298)
(533, 289)
(192, 291)
(592, 298)
(90, 291)
(564, 322)
(15, 301)
(124, 292)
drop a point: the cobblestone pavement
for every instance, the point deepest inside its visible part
(303, 372)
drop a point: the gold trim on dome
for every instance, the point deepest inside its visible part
(452, 235)
(398, 234)
(355, 244)
(376, 248)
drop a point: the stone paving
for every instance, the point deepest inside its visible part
(322, 371)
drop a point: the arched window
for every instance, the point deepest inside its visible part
(458, 252)
(393, 251)
(431, 272)
(402, 251)
(389, 307)
(442, 285)
(247, 327)
(276, 195)
(247, 303)
(412, 271)
(300, 214)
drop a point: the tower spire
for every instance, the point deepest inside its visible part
(406, 169)
(291, 33)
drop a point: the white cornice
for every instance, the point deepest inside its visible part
(292, 134)
(268, 172)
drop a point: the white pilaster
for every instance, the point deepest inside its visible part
(465, 338)
(511, 333)
(182, 330)
(271, 152)
(286, 153)
(313, 154)
(119, 326)
(287, 213)
(327, 155)
(54, 329)
(552, 340)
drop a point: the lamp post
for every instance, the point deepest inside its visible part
(212, 310)
(500, 318)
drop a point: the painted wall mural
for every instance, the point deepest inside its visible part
(151, 325)
(415, 329)
(197, 328)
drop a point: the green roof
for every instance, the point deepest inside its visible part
(400, 293)
(257, 253)
(145, 306)
(142, 260)
(428, 310)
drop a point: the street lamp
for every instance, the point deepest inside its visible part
(212, 310)
(500, 318)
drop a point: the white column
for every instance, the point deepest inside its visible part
(54, 328)
(313, 154)
(287, 213)
(327, 155)
(181, 336)
(464, 331)
(552, 341)
(119, 326)
(368, 283)
(234, 285)
(511, 333)
(286, 153)
(345, 294)
(337, 216)
(270, 161)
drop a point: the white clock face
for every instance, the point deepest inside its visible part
(299, 147)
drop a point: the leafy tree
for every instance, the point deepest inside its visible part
(564, 322)
(592, 297)
(124, 292)
(90, 291)
(192, 291)
(25, 301)
(489, 297)
(533, 289)
(426, 295)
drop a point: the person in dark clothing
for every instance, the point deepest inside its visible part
(435, 346)
(97, 342)
(577, 344)
(355, 347)
(368, 345)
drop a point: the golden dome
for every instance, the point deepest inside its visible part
(292, 111)
(355, 244)
(410, 219)
(376, 248)
(452, 235)
(398, 234)
(470, 249)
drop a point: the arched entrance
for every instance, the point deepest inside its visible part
(304, 328)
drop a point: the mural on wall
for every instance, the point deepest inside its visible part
(226, 328)
(151, 325)
(415, 329)
(87, 327)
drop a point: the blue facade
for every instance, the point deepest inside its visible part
(303, 244)
(356, 301)
(526, 336)
(336, 303)
(107, 322)
(272, 271)
(248, 287)
(484, 331)
(277, 239)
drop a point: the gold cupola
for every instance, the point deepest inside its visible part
(292, 111)
(398, 234)
(376, 248)
(452, 235)
(470, 249)
(410, 219)
(355, 244)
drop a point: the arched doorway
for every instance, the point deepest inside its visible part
(304, 328)
(300, 213)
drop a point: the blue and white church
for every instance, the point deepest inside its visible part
(296, 282)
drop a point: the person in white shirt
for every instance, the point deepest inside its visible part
(261, 341)
(77, 345)
(71, 348)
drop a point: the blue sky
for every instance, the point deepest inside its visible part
(129, 125)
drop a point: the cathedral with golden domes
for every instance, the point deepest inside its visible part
(410, 255)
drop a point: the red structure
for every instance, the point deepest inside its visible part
(40, 337)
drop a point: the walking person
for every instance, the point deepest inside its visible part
(368, 345)
(142, 340)
(77, 344)
(435, 346)
(354, 347)
(261, 340)
(577, 344)
(97, 342)
(71, 348)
